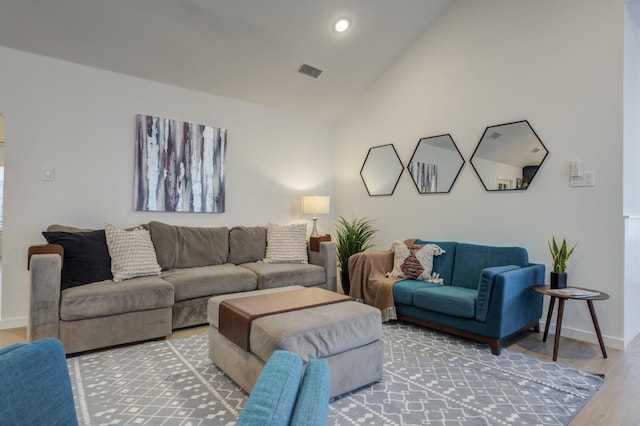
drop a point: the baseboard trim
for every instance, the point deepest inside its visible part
(587, 336)
(9, 323)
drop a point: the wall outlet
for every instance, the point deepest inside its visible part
(585, 179)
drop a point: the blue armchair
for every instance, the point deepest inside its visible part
(284, 396)
(35, 388)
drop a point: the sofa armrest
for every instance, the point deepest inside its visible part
(513, 304)
(34, 385)
(328, 259)
(312, 404)
(485, 288)
(364, 267)
(274, 395)
(44, 300)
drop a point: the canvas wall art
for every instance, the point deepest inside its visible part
(179, 166)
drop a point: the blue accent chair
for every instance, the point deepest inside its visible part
(285, 395)
(35, 388)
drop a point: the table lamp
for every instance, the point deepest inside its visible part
(315, 205)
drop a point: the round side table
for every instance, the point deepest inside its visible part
(546, 290)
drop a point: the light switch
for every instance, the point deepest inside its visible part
(47, 173)
(585, 179)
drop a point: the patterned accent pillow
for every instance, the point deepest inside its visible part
(132, 253)
(286, 243)
(413, 261)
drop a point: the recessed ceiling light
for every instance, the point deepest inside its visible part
(341, 25)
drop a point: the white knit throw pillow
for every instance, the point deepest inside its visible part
(132, 253)
(286, 244)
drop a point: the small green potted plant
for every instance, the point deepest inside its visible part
(560, 255)
(352, 237)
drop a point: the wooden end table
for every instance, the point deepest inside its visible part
(546, 290)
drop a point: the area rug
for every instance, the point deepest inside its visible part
(429, 378)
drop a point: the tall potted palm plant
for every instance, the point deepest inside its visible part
(352, 237)
(560, 255)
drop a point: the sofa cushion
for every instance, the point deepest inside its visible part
(271, 275)
(450, 300)
(191, 283)
(403, 290)
(247, 244)
(132, 253)
(286, 243)
(106, 298)
(443, 264)
(471, 259)
(188, 247)
(65, 228)
(86, 257)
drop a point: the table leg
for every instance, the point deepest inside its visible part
(558, 328)
(549, 314)
(594, 318)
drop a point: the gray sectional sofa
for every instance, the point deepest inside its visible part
(196, 263)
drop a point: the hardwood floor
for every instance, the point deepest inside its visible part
(615, 403)
(11, 336)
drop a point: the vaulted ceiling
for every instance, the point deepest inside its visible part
(244, 49)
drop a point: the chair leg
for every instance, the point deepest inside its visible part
(495, 346)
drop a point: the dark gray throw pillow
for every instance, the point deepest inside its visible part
(86, 257)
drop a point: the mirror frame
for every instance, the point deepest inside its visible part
(455, 178)
(516, 188)
(364, 165)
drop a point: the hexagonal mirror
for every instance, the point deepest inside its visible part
(435, 164)
(508, 156)
(381, 170)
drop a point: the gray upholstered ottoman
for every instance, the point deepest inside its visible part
(346, 334)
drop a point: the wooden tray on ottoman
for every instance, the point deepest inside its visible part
(235, 315)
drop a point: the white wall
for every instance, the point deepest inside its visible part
(631, 169)
(632, 108)
(558, 65)
(81, 122)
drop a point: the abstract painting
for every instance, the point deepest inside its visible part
(179, 166)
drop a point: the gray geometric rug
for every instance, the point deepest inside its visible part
(430, 378)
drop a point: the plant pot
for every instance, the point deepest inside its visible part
(558, 280)
(346, 283)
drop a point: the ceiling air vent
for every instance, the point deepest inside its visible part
(310, 71)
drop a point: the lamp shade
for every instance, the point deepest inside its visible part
(314, 204)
